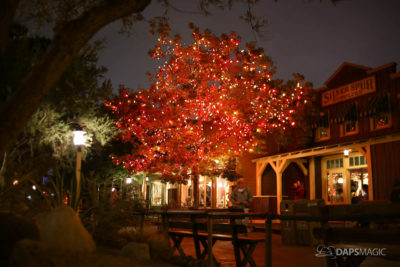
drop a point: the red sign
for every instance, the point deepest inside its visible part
(348, 91)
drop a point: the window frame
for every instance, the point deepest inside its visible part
(373, 125)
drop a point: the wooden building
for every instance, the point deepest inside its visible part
(355, 149)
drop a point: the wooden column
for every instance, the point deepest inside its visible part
(214, 192)
(260, 167)
(312, 177)
(179, 200)
(278, 191)
(279, 167)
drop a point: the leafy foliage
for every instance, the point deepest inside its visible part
(46, 142)
(210, 100)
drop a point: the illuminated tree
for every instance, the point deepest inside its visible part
(211, 100)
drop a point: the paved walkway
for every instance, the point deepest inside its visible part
(282, 255)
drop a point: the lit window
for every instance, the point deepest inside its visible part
(362, 160)
(381, 120)
(357, 161)
(335, 188)
(334, 163)
(381, 117)
(350, 124)
(323, 130)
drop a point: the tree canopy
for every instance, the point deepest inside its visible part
(74, 23)
(46, 141)
(211, 100)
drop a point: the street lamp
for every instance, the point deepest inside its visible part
(79, 141)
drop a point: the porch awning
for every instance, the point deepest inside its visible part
(321, 121)
(343, 113)
(376, 104)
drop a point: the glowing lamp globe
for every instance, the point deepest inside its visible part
(79, 138)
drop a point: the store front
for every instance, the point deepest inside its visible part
(353, 152)
(213, 193)
(344, 178)
(157, 193)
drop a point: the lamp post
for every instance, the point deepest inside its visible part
(79, 141)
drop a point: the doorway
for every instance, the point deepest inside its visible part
(336, 183)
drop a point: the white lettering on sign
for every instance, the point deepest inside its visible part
(348, 91)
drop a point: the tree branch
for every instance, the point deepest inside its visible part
(68, 40)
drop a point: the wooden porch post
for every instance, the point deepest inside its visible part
(312, 177)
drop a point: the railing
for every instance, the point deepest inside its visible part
(211, 215)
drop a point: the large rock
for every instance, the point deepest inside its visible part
(138, 251)
(30, 253)
(12, 229)
(159, 247)
(62, 229)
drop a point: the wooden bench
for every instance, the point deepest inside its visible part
(197, 225)
(237, 235)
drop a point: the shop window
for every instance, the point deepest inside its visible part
(380, 116)
(350, 124)
(222, 192)
(357, 161)
(156, 194)
(322, 133)
(350, 127)
(359, 185)
(334, 163)
(205, 191)
(381, 121)
(335, 188)
(323, 130)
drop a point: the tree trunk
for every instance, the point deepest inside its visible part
(68, 40)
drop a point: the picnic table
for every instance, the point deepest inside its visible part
(244, 243)
(208, 227)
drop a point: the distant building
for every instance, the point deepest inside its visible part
(355, 151)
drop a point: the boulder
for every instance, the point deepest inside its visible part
(14, 228)
(159, 247)
(30, 253)
(138, 251)
(62, 230)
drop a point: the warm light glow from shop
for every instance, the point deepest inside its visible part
(365, 180)
(219, 184)
(33, 187)
(128, 180)
(346, 152)
(340, 181)
(147, 179)
(15, 182)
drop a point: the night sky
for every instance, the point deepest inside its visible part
(309, 37)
